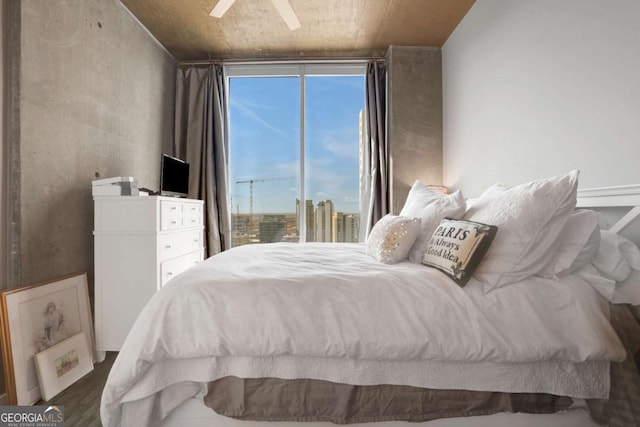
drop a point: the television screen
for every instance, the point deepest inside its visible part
(174, 177)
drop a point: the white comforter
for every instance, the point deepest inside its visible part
(333, 301)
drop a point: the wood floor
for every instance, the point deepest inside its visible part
(81, 401)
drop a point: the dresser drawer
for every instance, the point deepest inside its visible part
(192, 215)
(171, 215)
(171, 268)
(176, 244)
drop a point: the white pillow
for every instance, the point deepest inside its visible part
(630, 251)
(391, 238)
(628, 290)
(579, 241)
(431, 207)
(609, 260)
(615, 270)
(529, 218)
(605, 287)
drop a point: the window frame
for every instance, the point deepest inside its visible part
(292, 69)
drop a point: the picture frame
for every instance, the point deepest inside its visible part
(62, 364)
(34, 318)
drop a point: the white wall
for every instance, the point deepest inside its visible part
(536, 88)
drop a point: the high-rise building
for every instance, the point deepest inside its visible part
(345, 227)
(272, 230)
(323, 217)
(309, 217)
(352, 228)
(364, 167)
(337, 227)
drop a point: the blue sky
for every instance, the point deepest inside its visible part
(264, 141)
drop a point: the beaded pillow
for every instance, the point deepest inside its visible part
(391, 238)
(457, 247)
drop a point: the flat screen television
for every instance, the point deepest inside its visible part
(174, 177)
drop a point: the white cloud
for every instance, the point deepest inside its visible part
(244, 108)
(341, 149)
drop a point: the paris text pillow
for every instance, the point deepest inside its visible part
(457, 248)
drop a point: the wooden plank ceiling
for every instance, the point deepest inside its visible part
(254, 29)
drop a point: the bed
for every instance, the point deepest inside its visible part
(313, 322)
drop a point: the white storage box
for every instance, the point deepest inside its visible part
(116, 186)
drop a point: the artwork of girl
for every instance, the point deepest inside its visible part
(53, 320)
(55, 327)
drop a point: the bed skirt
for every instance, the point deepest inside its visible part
(272, 399)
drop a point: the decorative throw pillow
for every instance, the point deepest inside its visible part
(579, 241)
(431, 207)
(391, 238)
(530, 217)
(457, 247)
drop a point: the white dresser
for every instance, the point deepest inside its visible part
(140, 243)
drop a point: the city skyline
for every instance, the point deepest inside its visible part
(323, 224)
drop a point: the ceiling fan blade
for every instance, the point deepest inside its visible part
(287, 13)
(221, 8)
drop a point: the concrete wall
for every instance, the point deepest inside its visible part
(3, 260)
(536, 88)
(3, 253)
(96, 100)
(414, 118)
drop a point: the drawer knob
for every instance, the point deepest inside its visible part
(169, 274)
(167, 247)
(173, 222)
(173, 208)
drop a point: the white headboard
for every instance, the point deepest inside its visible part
(613, 197)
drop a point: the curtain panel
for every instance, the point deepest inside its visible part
(200, 140)
(374, 169)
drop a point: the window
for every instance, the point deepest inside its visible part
(295, 135)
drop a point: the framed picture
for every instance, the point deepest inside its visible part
(34, 318)
(62, 364)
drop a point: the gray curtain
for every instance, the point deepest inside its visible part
(200, 129)
(374, 169)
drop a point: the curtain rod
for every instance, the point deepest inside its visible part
(282, 61)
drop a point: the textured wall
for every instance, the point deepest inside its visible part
(3, 253)
(2, 179)
(414, 118)
(96, 99)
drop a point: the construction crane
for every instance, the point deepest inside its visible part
(251, 182)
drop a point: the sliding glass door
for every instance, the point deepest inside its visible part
(294, 144)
